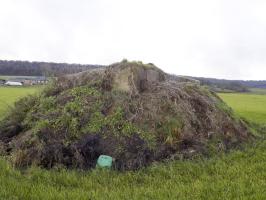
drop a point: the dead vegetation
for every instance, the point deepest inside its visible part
(129, 110)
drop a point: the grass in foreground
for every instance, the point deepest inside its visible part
(237, 175)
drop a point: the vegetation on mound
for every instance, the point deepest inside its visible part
(129, 111)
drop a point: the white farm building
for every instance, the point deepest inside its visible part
(13, 83)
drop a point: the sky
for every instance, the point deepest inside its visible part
(205, 38)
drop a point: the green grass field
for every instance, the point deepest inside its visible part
(236, 175)
(250, 106)
(8, 95)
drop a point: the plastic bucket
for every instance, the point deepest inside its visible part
(104, 161)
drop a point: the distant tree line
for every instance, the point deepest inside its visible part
(234, 85)
(254, 84)
(222, 85)
(26, 68)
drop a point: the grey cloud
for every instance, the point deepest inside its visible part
(214, 38)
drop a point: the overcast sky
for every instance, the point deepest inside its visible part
(210, 38)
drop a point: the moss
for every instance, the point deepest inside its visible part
(129, 128)
(96, 123)
(75, 108)
(84, 91)
(115, 124)
(40, 125)
(47, 104)
(48, 113)
(206, 91)
(190, 87)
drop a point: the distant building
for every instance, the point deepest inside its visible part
(38, 80)
(35, 81)
(13, 83)
(27, 82)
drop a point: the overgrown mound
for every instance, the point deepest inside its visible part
(129, 110)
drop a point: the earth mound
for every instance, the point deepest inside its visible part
(131, 111)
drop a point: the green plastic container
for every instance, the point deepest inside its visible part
(104, 161)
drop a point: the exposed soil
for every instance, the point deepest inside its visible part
(131, 111)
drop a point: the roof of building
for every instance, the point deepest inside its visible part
(13, 83)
